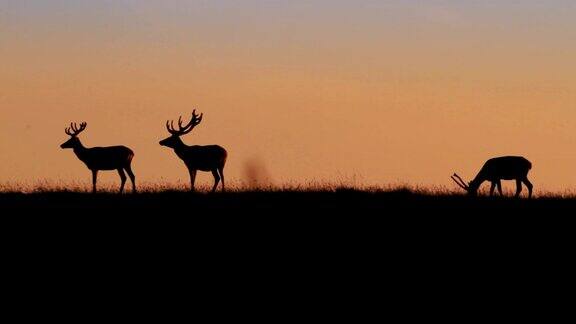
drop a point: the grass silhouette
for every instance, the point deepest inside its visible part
(293, 199)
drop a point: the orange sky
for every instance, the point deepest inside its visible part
(382, 92)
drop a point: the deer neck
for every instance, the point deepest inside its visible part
(80, 151)
(477, 181)
(180, 147)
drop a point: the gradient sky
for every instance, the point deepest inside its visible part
(380, 92)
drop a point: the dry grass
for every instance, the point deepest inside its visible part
(340, 186)
(238, 187)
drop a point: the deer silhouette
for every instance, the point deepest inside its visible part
(497, 169)
(101, 158)
(204, 158)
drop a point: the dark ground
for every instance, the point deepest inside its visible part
(342, 248)
(285, 212)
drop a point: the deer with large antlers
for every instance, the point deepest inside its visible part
(497, 169)
(204, 158)
(101, 158)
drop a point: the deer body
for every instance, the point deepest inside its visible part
(197, 157)
(202, 158)
(101, 158)
(497, 169)
(105, 158)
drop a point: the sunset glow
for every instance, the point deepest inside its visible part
(373, 92)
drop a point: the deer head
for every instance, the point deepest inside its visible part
(73, 131)
(174, 140)
(470, 188)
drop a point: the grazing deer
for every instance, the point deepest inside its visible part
(101, 158)
(196, 157)
(497, 169)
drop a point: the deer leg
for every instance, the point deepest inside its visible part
(518, 188)
(499, 184)
(216, 179)
(122, 179)
(192, 179)
(132, 177)
(492, 187)
(221, 171)
(529, 186)
(94, 177)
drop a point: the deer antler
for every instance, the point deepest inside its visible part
(459, 181)
(73, 130)
(171, 128)
(193, 122)
(183, 130)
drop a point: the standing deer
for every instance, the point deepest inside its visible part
(196, 157)
(101, 158)
(497, 169)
